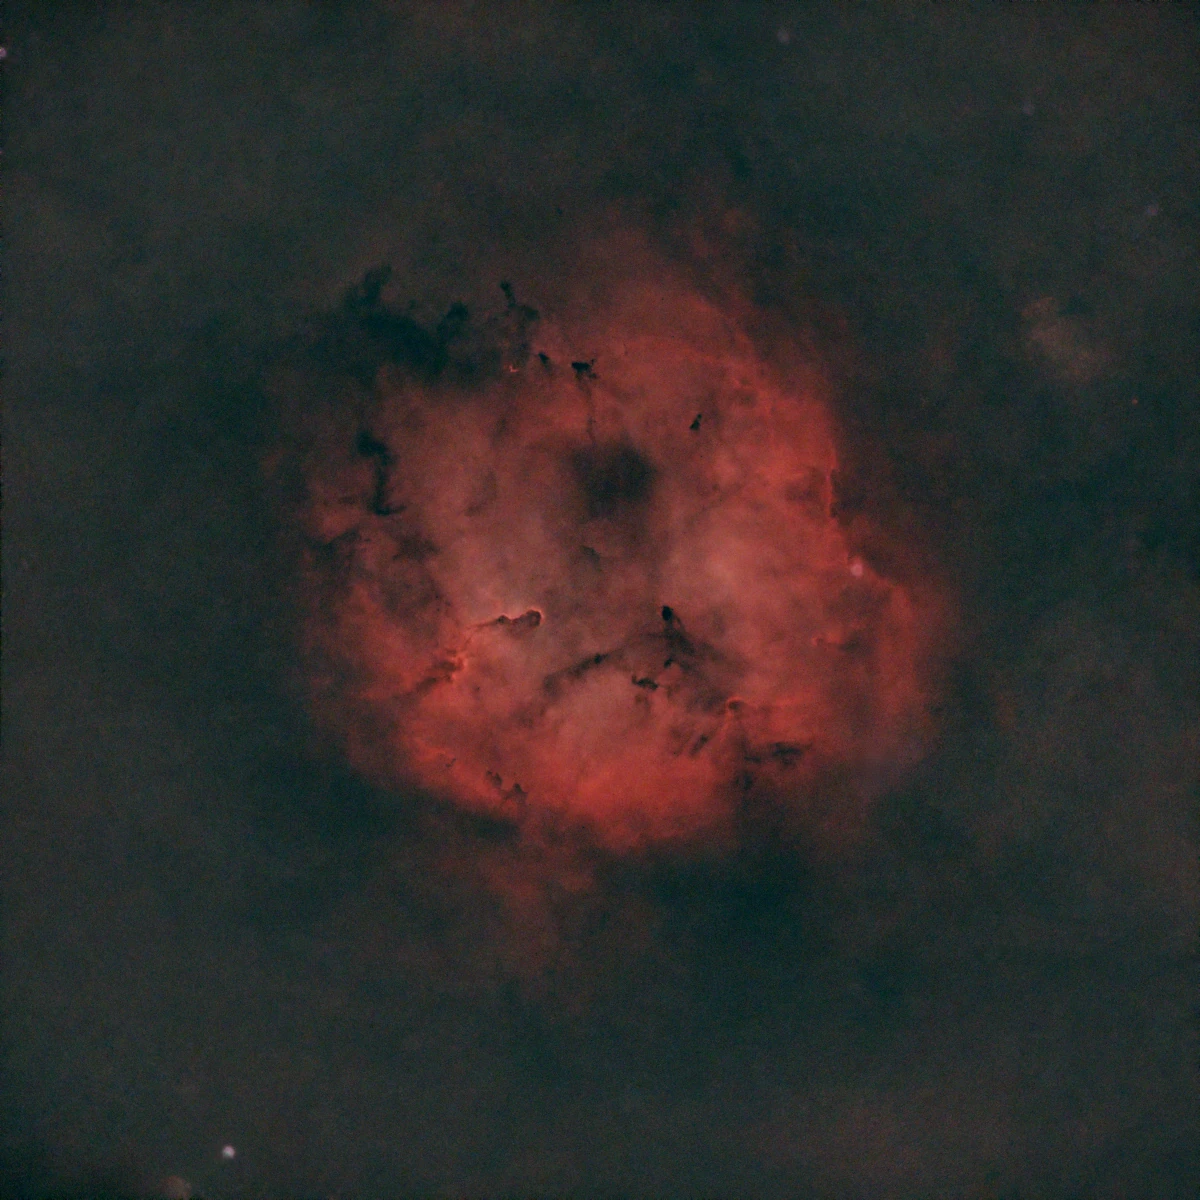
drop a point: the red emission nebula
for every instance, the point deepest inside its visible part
(598, 582)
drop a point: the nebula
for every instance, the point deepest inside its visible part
(582, 565)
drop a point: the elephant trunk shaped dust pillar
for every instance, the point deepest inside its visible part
(582, 570)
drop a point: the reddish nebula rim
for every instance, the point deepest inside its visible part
(590, 572)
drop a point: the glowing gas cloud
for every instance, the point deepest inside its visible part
(583, 566)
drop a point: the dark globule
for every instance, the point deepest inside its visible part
(612, 478)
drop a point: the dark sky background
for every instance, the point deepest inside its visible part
(214, 935)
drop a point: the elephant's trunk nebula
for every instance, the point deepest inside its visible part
(584, 567)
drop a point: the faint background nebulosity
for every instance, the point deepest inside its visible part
(216, 936)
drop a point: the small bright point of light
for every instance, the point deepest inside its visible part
(856, 568)
(228, 1152)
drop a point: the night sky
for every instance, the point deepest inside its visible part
(238, 962)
